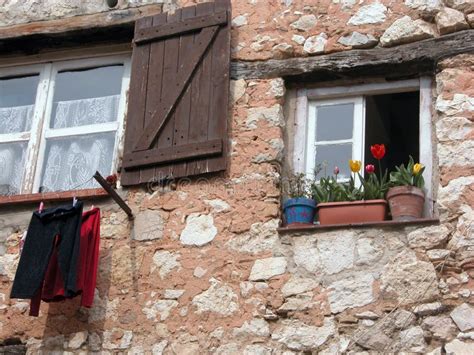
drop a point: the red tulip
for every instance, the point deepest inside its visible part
(370, 169)
(336, 170)
(378, 151)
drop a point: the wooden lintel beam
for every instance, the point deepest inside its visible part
(408, 59)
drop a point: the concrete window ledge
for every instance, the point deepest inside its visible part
(317, 227)
(52, 196)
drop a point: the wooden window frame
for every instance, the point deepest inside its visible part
(40, 131)
(304, 101)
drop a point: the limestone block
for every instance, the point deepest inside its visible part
(299, 336)
(452, 196)
(261, 237)
(218, 205)
(406, 30)
(458, 347)
(161, 308)
(358, 40)
(304, 23)
(450, 20)
(272, 115)
(369, 250)
(199, 230)
(117, 339)
(463, 316)
(457, 154)
(237, 89)
(282, 50)
(148, 225)
(438, 254)
(256, 349)
(296, 285)
(218, 298)
(76, 340)
(255, 327)
(428, 237)
(441, 327)
(315, 44)
(458, 104)
(451, 129)
(350, 292)
(240, 20)
(412, 339)
(165, 262)
(428, 309)
(463, 237)
(264, 269)
(408, 279)
(369, 14)
(427, 8)
(467, 6)
(159, 348)
(173, 294)
(298, 39)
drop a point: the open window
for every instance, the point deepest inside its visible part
(340, 123)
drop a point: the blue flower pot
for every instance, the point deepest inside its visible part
(299, 210)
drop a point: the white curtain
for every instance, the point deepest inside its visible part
(72, 161)
(12, 164)
(86, 111)
(15, 119)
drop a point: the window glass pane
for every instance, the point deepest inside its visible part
(85, 97)
(12, 166)
(71, 161)
(333, 155)
(334, 122)
(17, 99)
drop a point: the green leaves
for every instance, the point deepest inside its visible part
(329, 190)
(406, 176)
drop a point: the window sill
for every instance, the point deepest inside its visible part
(52, 196)
(316, 227)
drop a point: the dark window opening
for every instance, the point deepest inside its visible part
(393, 119)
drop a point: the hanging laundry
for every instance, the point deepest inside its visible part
(53, 287)
(55, 228)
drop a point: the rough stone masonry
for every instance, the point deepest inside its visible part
(203, 269)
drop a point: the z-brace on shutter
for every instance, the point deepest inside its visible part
(178, 99)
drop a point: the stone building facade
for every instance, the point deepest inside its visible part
(203, 269)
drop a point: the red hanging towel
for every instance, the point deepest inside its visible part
(88, 262)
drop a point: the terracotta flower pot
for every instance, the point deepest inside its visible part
(406, 202)
(352, 212)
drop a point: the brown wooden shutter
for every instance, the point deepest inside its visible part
(178, 97)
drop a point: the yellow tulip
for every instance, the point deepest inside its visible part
(417, 168)
(355, 165)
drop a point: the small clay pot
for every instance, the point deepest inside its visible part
(406, 202)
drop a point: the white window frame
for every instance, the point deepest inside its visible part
(40, 131)
(358, 130)
(307, 98)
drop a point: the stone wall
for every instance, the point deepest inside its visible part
(202, 269)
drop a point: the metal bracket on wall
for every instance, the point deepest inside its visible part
(110, 190)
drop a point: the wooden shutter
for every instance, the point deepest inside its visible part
(178, 98)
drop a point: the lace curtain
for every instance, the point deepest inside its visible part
(16, 119)
(12, 164)
(72, 161)
(86, 111)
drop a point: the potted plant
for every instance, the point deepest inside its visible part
(406, 196)
(344, 203)
(300, 208)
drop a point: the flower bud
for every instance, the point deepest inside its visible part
(370, 169)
